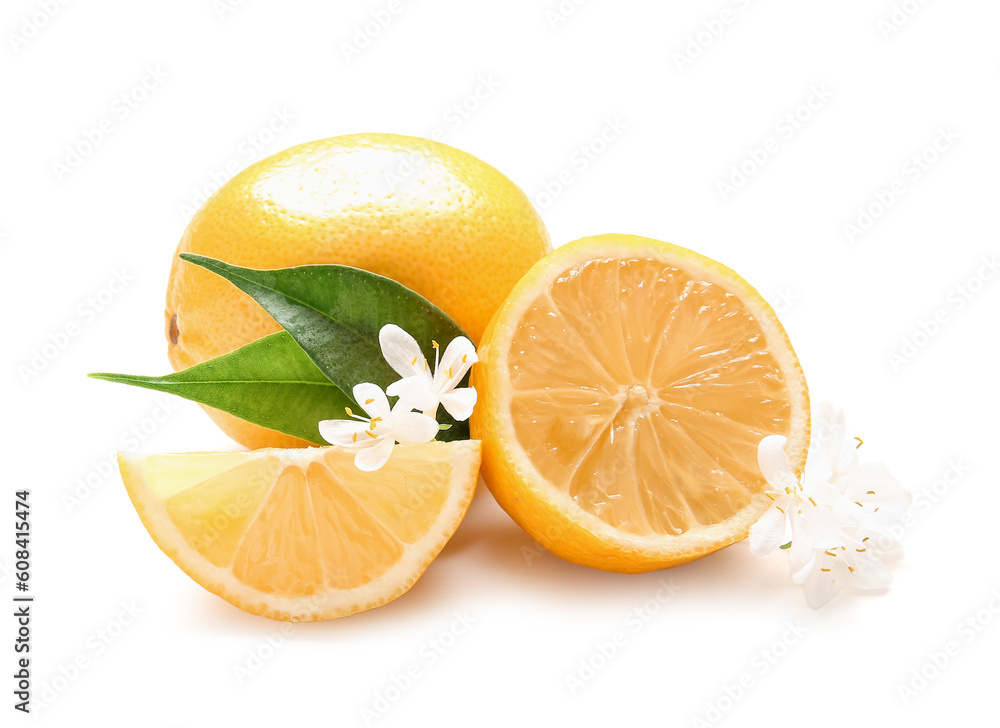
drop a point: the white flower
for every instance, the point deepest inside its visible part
(872, 500)
(375, 435)
(795, 514)
(419, 387)
(853, 564)
(837, 519)
(832, 457)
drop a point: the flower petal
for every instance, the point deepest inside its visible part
(768, 532)
(455, 362)
(801, 553)
(343, 432)
(869, 572)
(799, 577)
(819, 525)
(411, 428)
(401, 351)
(372, 399)
(459, 403)
(773, 462)
(374, 457)
(881, 495)
(414, 391)
(831, 429)
(821, 586)
(841, 454)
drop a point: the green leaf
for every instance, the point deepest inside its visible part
(335, 313)
(269, 382)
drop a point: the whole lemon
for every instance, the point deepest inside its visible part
(434, 218)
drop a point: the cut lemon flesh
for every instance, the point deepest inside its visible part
(625, 386)
(303, 535)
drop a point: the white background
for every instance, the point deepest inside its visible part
(549, 85)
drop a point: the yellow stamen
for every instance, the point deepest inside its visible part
(465, 358)
(369, 400)
(414, 362)
(851, 569)
(371, 435)
(781, 509)
(860, 551)
(425, 365)
(374, 421)
(871, 492)
(435, 344)
(860, 442)
(824, 569)
(829, 553)
(448, 372)
(355, 438)
(813, 502)
(348, 411)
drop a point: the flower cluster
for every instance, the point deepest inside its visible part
(835, 522)
(419, 389)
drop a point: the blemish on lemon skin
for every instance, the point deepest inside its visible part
(175, 333)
